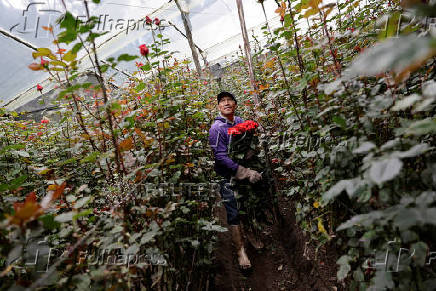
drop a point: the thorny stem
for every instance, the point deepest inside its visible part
(327, 34)
(185, 20)
(78, 112)
(288, 90)
(118, 157)
(299, 58)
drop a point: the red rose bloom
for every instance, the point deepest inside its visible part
(156, 21)
(233, 130)
(148, 20)
(39, 88)
(143, 49)
(44, 63)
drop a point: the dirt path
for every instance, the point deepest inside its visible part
(280, 265)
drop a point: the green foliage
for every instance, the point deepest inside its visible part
(126, 57)
(363, 153)
(100, 170)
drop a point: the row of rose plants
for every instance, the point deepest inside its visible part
(347, 93)
(115, 189)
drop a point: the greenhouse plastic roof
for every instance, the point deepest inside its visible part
(215, 27)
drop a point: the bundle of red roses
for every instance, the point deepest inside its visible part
(242, 141)
(245, 150)
(240, 128)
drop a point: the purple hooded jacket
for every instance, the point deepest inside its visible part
(219, 142)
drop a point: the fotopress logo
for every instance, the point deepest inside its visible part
(397, 258)
(38, 15)
(42, 257)
(34, 17)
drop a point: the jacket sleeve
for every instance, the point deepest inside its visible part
(219, 149)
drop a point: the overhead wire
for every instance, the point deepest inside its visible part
(165, 6)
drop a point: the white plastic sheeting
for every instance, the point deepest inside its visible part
(215, 27)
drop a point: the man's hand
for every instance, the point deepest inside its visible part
(243, 173)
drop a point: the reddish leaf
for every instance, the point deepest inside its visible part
(25, 211)
(35, 67)
(127, 144)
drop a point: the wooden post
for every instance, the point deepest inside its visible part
(186, 23)
(247, 50)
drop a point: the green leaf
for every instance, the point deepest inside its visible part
(361, 219)
(41, 52)
(383, 280)
(76, 48)
(287, 20)
(91, 158)
(148, 236)
(275, 47)
(126, 57)
(421, 127)
(93, 35)
(406, 102)
(344, 267)
(82, 213)
(67, 36)
(49, 222)
(385, 170)
(214, 227)
(396, 54)
(146, 67)
(68, 161)
(175, 177)
(364, 148)
(68, 21)
(414, 151)
(14, 184)
(82, 202)
(11, 147)
(358, 275)
(58, 63)
(391, 26)
(420, 253)
(57, 69)
(406, 218)
(86, 85)
(64, 217)
(351, 186)
(115, 106)
(140, 87)
(23, 154)
(71, 198)
(104, 68)
(340, 121)
(69, 56)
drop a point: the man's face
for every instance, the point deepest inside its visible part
(227, 106)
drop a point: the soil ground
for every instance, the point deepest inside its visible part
(286, 262)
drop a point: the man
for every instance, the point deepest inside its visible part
(225, 167)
